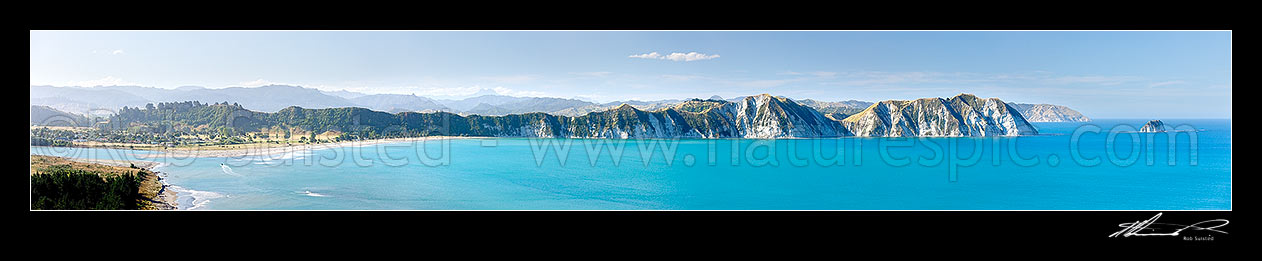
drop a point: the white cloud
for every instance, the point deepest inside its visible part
(692, 56)
(652, 55)
(685, 57)
(117, 52)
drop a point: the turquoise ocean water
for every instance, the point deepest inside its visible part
(1050, 171)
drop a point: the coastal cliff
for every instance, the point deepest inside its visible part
(959, 116)
(1048, 113)
(761, 116)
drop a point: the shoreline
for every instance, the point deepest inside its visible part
(166, 195)
(267, 149)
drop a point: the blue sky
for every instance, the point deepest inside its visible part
(1108, 74)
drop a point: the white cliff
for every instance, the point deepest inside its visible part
(964, 115)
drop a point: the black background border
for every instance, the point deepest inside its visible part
(1020, 228)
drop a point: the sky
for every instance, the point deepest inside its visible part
(1103, 74)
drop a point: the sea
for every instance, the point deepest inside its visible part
(1104, 164)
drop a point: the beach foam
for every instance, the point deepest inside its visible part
(313, 194)
(189, 199)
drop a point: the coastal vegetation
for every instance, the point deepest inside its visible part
(60, 187)
(59, 183)
(42, 141)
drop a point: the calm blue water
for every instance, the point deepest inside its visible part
(507, 174)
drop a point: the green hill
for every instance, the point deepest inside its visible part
(47, 116)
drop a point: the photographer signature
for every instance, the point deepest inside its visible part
(1150, 227)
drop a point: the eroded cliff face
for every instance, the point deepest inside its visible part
(766, 116)
(761, 116)
(964, 115)
(626, 122)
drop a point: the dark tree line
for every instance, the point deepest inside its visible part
(62, 187)
(53, 142)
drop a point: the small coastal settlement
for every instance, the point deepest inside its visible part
(60, 183)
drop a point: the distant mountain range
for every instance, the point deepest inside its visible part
(398, 103)
(836, 110)
(497, 105)
(94, 100)
(104, 100)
